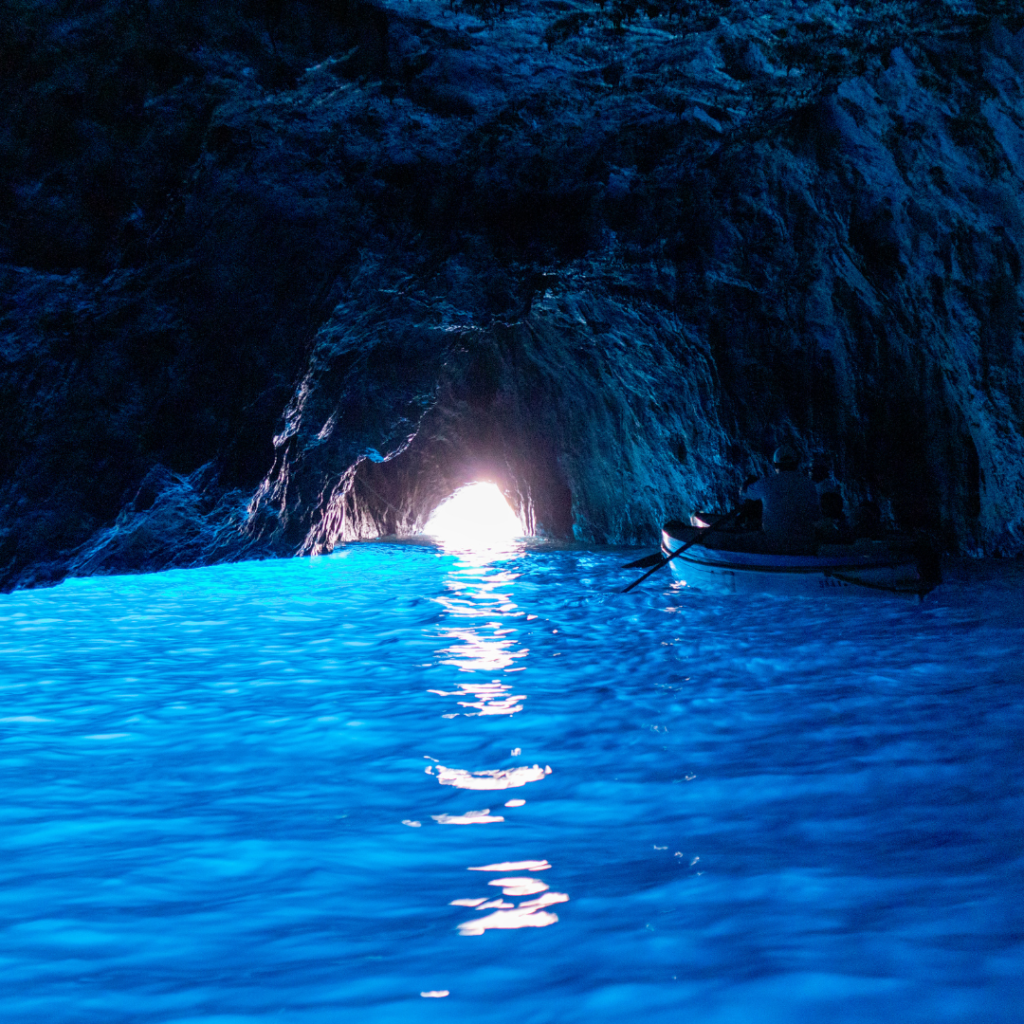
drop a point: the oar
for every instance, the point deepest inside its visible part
(663, 561)
(646, 562)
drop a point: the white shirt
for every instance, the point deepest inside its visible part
(789, 508)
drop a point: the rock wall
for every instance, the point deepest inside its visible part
(277, 275)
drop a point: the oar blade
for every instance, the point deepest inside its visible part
(646, 562)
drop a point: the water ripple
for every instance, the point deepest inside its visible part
(241, 793)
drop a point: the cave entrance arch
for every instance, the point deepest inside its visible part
(475, 515)
(452, 450)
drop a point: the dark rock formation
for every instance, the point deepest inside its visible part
(278, 274)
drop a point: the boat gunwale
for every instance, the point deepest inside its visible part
(755, 561)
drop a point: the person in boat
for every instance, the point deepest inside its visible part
(789, 505)
(868, 520)
(832, 527)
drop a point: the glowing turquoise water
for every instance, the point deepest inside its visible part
(257, 792)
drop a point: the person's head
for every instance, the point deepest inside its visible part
(785, 459)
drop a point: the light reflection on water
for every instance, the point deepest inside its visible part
(529, 913)
(278, 790)
(493, 698)
(489, 778)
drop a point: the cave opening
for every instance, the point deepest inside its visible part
(477, 515)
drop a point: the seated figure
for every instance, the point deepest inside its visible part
(867, 520)
(832, 527)
(789, 506)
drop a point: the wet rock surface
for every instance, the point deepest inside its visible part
(277, 275)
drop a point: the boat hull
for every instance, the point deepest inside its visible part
(870, 567)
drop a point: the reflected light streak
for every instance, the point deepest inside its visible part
(491, 698)
(545, 900)
(494, 778)
(476, 653)
(515, 865)
(472, 585)
(520, 886)
(518, 918)
(474, 518)
(483, 817)
(529, 914)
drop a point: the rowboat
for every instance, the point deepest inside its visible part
(898, 565)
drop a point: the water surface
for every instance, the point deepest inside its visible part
(287, 790)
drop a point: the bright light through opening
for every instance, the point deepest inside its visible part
(477, 516)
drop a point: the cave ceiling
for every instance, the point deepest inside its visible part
(282, 274)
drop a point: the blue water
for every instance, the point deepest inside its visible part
(256, 792)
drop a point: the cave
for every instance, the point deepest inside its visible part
(345, 267)
(287, 736)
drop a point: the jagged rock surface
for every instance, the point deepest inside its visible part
(281, 275)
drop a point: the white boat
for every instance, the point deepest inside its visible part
(896, 565)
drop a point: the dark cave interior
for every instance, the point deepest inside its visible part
(283, 274)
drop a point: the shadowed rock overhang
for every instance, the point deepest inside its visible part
(290, 274)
